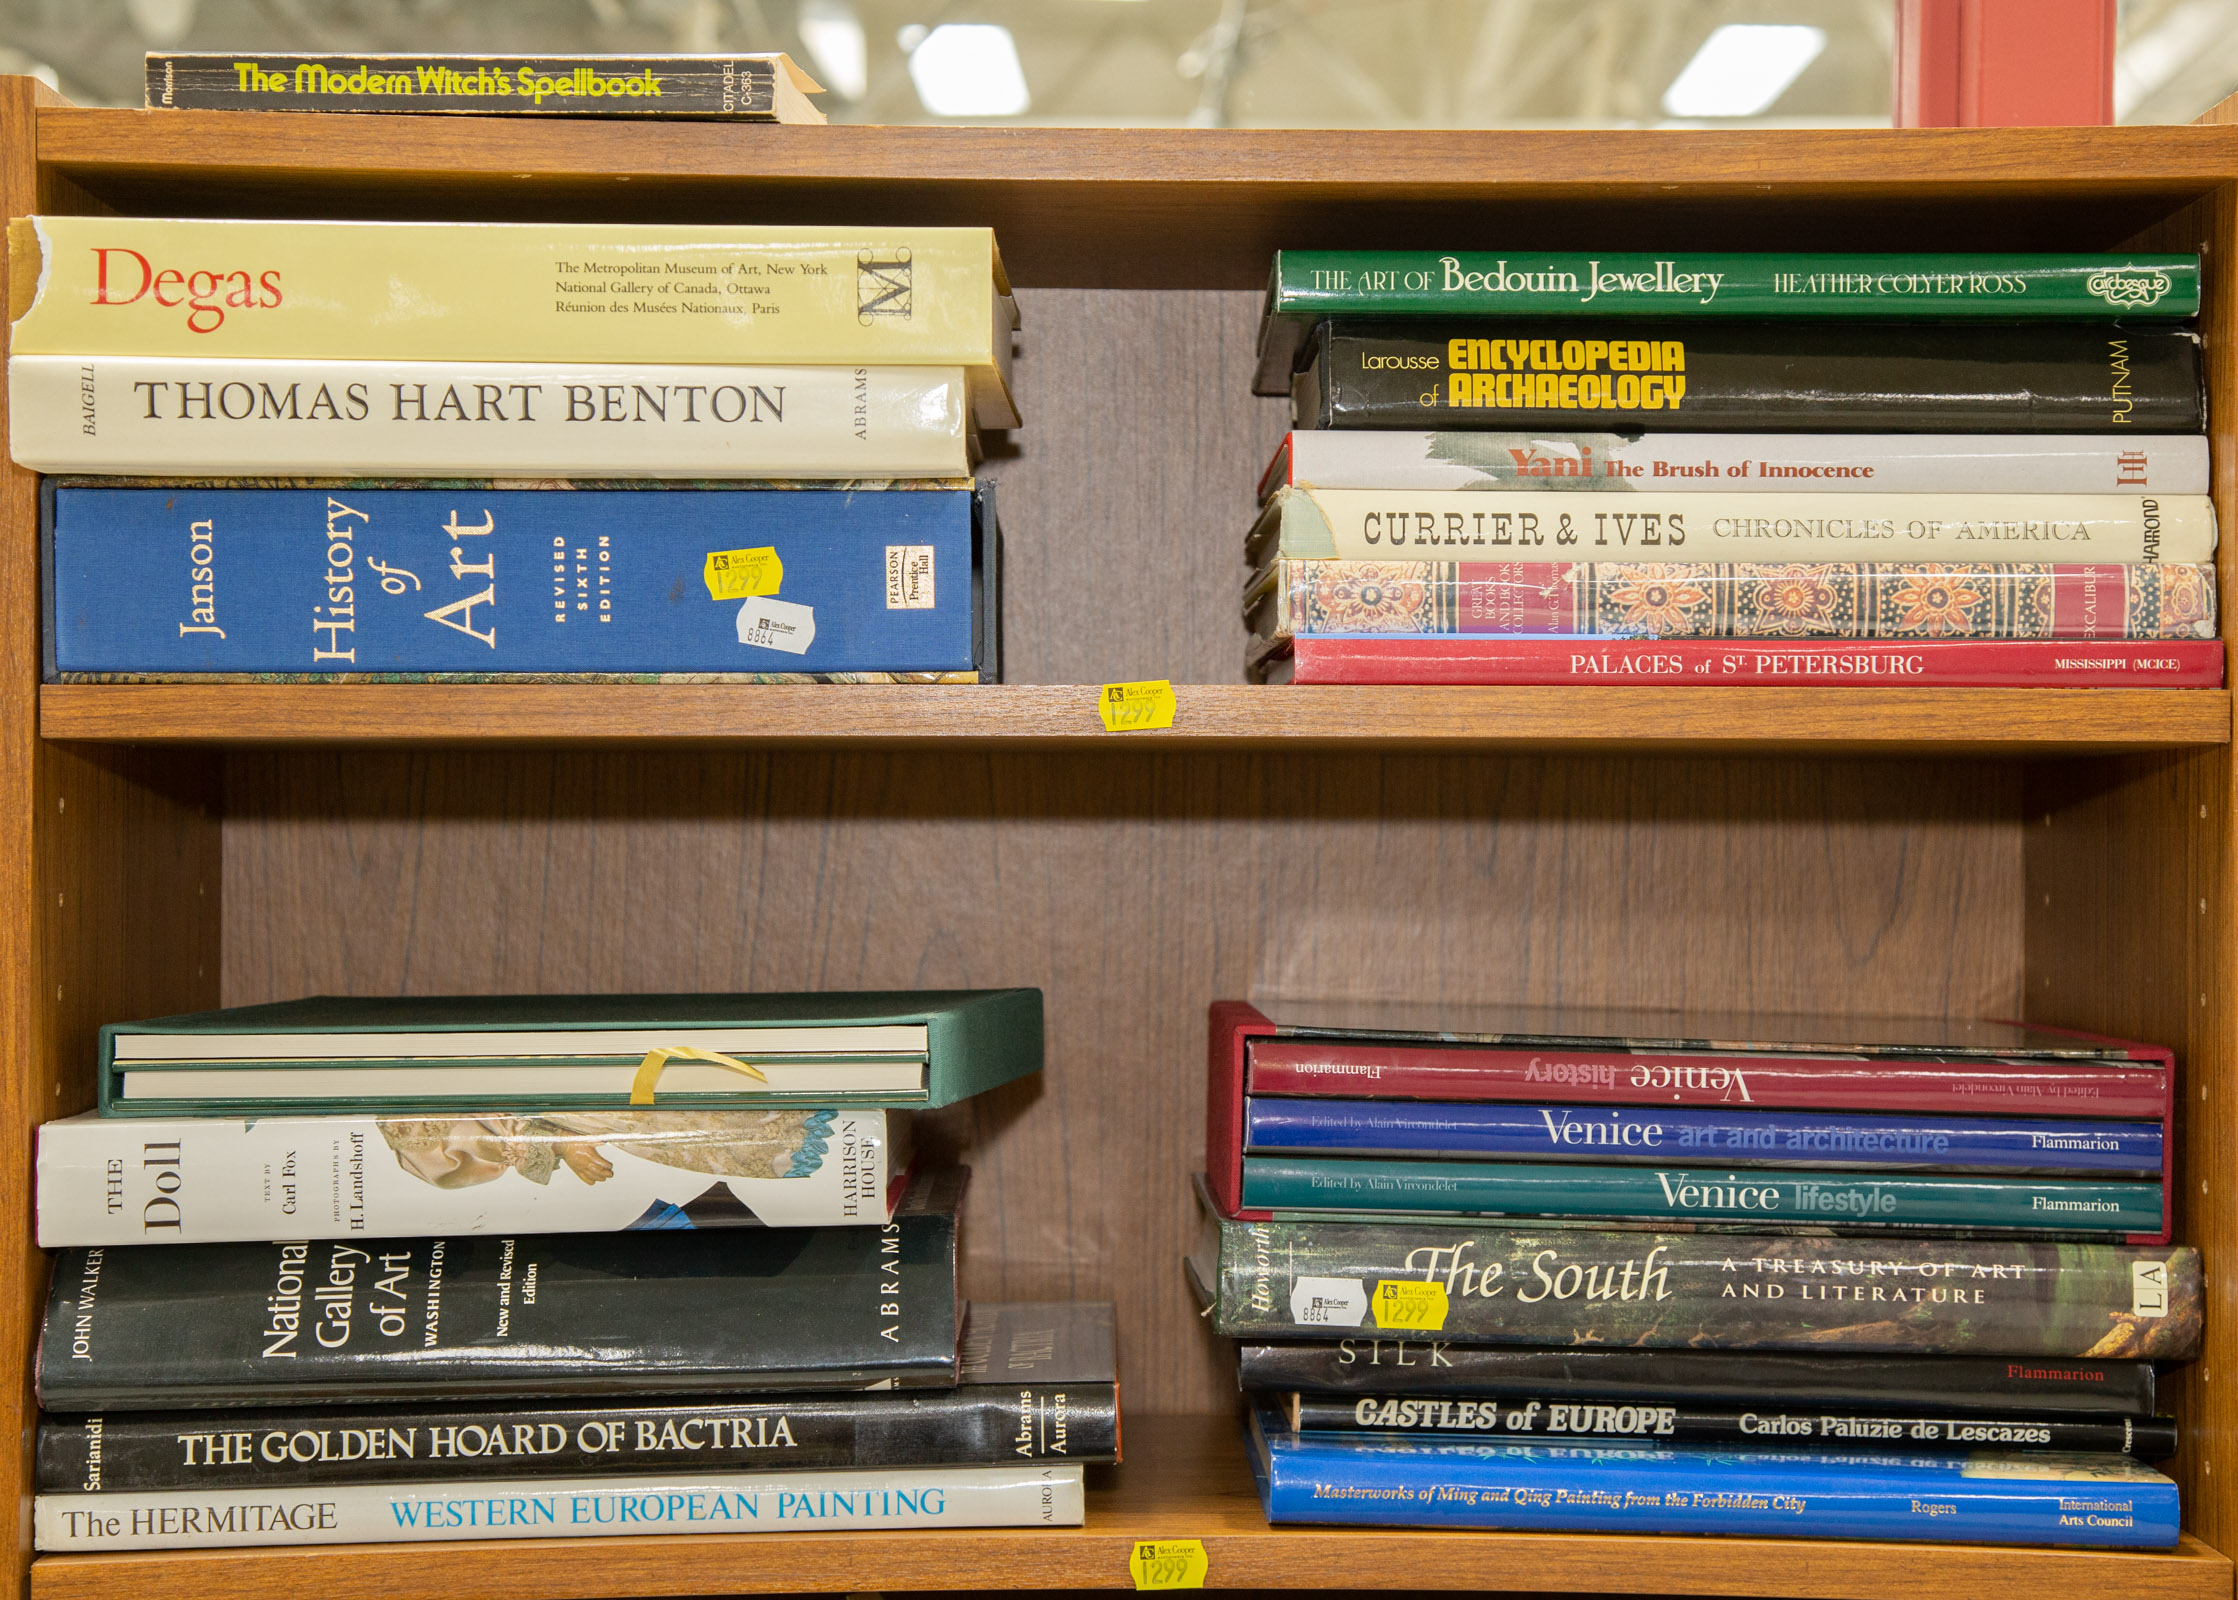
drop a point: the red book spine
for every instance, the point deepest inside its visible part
(1876, 663)
(1824, 1083)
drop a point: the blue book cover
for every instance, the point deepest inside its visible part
(1893, 1139)
(1771, 1198)
(469, 578)
(1402, 1481)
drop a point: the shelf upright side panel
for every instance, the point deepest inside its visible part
(109, 883)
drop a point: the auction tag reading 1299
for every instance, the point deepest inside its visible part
(1398, 1304)
(1131, 707)
(743, 574)
(1168, 1564)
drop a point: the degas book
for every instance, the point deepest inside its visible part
(517, 291)
(1026, 1495)
(1307, 285)
(1983, 1497)
(398, 1055)
(145, 1180)
(742, 88)
(429, 580)
(150, 1327)
(1035, 1383)
(192, 417)
(1731, 463)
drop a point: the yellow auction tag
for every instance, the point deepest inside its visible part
(743, 574)
(1409, 1305)
(1130, 707)
(1168, 1564)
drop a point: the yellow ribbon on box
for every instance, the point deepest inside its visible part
(656, 1062)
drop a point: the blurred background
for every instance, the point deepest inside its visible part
(1166, 63)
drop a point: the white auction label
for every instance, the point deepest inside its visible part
(772, 624)
(1328, 1302)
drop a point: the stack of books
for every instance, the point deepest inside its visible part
(1862, 1282)
(545, 1267)
(339, 450)
(1734, 469)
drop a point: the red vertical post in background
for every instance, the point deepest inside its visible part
(2004, 63)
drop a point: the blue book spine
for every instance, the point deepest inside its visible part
(465, 578)
(1389, 1480)
(1763, 1196)
(1708, 1133)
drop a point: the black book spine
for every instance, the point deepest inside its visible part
(1707, 1378)
(1671, 1421)
(1556, 372)
(736, 1311)
(985, 1424)
(741, 89)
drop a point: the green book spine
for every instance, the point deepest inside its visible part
(1770, 1197)
(1308, 285)
(1572, 1286)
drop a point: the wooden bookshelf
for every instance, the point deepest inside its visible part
(2063, 855)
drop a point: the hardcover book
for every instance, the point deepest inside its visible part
(188, 416)
(1982, 1497)
(1663, 1421)
(1769, 1199)
(1426, 1364)
(1664, 1060)
(1520, 1285)
(1690, 526)
(1751, 377)
(740, 88)
(1763, 663)
(1037, 1383)
(434, 579)
(1307, 286)
(696, 293)
(1022, 1495)
(195, 1180)
(1734, 1136)
(1290, 599)
(1739, 463)
(737, 1311)
(435, 1054)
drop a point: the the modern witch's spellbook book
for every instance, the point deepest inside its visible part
(675, 1312)
(1035, 1383)
(431, 1055)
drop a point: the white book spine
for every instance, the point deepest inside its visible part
(1745, 463)
(773, 1502)
(1678, 525)
(200, 1180)
(184, 416)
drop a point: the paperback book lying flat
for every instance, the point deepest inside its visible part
(398, 1055)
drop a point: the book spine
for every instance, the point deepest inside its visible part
(663, 1312)
(737, 88)
(1741, 1138)
(1968, 663)
(1886, 1295)
(614, 294)
(1854, 463)
(987, 1424)
(1673, 1421)
(1765, 1197)
(1324, 283)
(1828, 600)
(184, 417)
(2051, 377)
(1962, 1085)
(1978, 1498)
(458, 578)
(196, 1180)
(807, 1502)
(1691, 526)
(1433, 1366)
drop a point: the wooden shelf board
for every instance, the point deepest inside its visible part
(1955, 721)
(1185, 1478)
